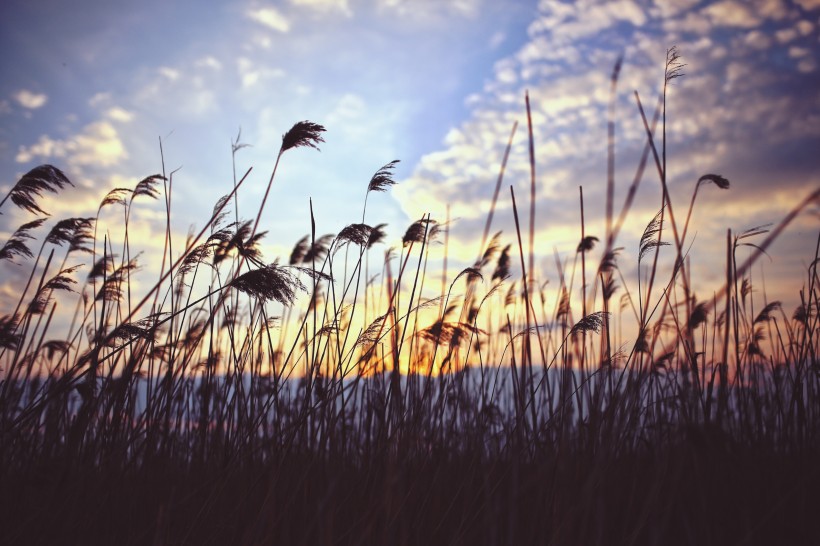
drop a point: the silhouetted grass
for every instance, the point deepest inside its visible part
(235, 400)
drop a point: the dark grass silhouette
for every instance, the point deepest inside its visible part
(240, 401)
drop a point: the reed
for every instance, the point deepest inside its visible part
(232, 399)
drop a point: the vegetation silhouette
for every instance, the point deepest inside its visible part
(186, 411)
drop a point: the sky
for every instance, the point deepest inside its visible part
(93, 87)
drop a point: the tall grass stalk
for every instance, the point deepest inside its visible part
(233, 399)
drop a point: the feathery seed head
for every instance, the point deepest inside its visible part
(699, 315)
(383, 178)
(358, 234)
(271, 282)
(377, 235)
(115, 197)
(674, 68)
(34, 183)
(716, 179)
(16, 245)
(147, 186)
(587, 243)
(417, 230)
(590, 323)
(303, 133)
(647, 239)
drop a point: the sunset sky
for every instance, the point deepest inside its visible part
(91, 86)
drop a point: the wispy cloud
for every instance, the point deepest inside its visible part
(252, 73)
(29, 99)
(733, 14)
(119, 114)
(386, 77)
(741, 84)
(209, 61)
(171, 74)
(431, 9)
(96, 144)
(271, 18)
(326, 6)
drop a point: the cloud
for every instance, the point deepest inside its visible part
(119, 114)
(270, 18)
(171, 74)
(694, 22)
(349, 108)
(497, 39)
(188, 90)
(209, 62)
(97, 144)
(809, 5)
(326, 6)
(806, 66)
(789, 34)
(99, 99)
(758, 40)
(738, 88)
(804, 27)
(431, 9)
(733, 14)
(670, 8)
(772, 9)
(564, 23)
(252, 73)
(30, 100)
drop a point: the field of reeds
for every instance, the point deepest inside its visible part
(351, 396)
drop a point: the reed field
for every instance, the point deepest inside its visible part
(350, 394)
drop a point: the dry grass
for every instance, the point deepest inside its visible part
(195, 414)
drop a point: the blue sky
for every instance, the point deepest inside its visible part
(91, 86)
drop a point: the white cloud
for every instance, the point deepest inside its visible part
(99, 99)
(190, 93)
(270, 18)
(326, 6)
(170, 73)
(728, 96)
(349, 108)
(693, 22)
(431, 9)
(119, 114)
(565, 23)
(628, 10)
(30, 100)
(247, 73)
(251, 73)
(669, 8)
(97, 144)
(209, 62)
(45, 147)
(733, 14)
(505, 72)
(497, 39)
(262, 41)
